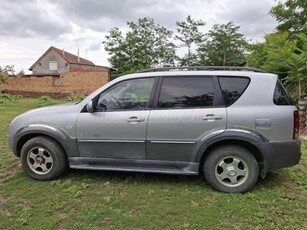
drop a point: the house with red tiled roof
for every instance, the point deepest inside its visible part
(59, 61)
(58, 73)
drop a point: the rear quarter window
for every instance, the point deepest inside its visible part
(233, 88)
(281, 96)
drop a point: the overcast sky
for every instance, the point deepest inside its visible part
(29, 27)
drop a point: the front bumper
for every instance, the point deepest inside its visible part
(280, 154)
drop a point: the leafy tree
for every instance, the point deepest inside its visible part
(9, 69)
(189, 34)
(224, 46)
(291, 15)
(283, 56)
(145, 45)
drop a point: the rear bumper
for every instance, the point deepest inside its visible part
(280, 154)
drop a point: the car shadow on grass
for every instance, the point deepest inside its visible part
(273, 180)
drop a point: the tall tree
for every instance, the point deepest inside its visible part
(188, 33)
(291, 15)
(145, 45)
(224, 46)
(284, 56)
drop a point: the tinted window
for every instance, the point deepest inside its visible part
(281, 96)
(127, 95)
(178, 92)
(232, 88)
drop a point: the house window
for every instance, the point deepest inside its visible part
(56, 81)
(53, 66)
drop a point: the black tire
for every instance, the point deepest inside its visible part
(43, 158)
(231, 169)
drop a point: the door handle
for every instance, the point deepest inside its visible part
(212, 117)
(135, 119)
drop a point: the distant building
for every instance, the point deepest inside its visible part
(58, 73)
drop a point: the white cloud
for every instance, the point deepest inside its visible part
(29, 28)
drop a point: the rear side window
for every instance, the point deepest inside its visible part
(183, 92)
(233, 88)
(281, 97)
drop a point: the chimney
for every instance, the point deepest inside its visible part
(78, 56)
(63, 53)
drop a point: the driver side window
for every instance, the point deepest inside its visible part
(126, 95)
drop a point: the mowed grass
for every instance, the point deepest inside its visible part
(115, 200)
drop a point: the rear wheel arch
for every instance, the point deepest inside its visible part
(209, 147)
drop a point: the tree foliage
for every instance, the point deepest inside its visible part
(145, 45)
(9, 69)
(224, 46)
(284, 56)
(291, 15)
(188, 33)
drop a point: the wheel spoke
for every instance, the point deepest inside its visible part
(35, 165)
(41, 151)
(235, 163)
(44, 167)
(233, 179)
(241, 172)
(48, 160)
(223, 165)
(32, 156)
(223, 175)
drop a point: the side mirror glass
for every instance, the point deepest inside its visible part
(89, 107)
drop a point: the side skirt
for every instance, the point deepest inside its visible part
(133, 165)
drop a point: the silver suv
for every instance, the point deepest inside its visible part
(231, 124)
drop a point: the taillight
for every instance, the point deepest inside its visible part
(296, 124)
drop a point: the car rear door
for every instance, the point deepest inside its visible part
(187, 111)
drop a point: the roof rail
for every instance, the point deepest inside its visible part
(191, 68)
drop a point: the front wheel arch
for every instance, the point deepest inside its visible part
(24, 139)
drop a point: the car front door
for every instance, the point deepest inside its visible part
(187, 110)
(117, 127)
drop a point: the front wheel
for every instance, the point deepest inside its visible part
(231, 169)
(43, 158)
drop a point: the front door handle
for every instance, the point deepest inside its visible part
(212, 117)
(135, 119)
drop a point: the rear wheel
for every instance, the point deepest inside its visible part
(231, 169)
(43, 158)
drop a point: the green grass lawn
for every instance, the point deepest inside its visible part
(115, 200)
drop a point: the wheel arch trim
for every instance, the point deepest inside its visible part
(233, 134)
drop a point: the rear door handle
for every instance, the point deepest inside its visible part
(135, 119)
(212, 117)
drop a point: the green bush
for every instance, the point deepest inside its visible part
(5, 97)
(3, 80)
(45, 100)
(79, 98)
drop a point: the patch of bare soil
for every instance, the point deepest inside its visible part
(8, 171)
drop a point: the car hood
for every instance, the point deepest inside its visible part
(51, 108)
